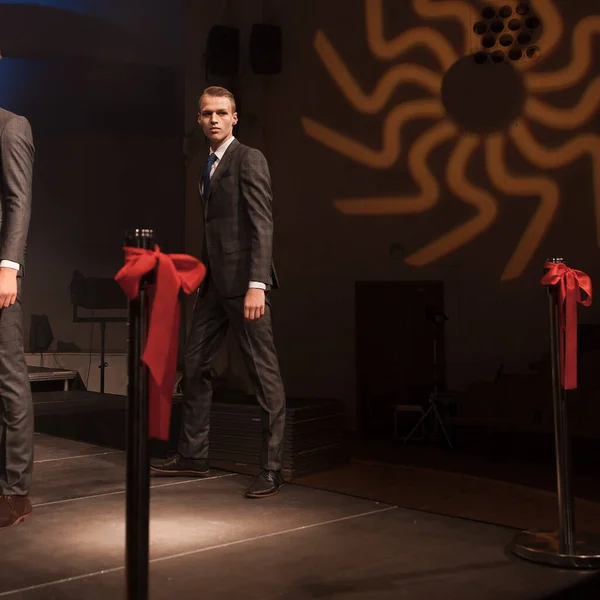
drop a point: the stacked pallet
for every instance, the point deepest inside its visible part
(312, 439)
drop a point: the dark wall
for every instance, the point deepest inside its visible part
(102, 85)
(321, 250)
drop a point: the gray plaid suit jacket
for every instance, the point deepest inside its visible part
(238, 219)
(16, 162)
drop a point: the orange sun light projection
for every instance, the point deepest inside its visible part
(513, 38)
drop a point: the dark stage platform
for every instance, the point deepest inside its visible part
(209, 542)
(312, 441)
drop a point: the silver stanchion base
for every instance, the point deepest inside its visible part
(543, 547)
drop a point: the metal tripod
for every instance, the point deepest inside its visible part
(434, 398)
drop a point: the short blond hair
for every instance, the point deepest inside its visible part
(219, 92)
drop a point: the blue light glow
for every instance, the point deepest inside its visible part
(161, 21)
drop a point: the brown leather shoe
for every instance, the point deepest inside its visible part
(14, 509)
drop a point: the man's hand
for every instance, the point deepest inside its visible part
(254, 304)
(8, 286)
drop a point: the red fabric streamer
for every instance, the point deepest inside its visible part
(570, 285)
(174, 272)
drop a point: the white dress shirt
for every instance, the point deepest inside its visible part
(219, 152)
(10, 264)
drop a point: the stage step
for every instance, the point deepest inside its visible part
(312, 442)
(46, 379)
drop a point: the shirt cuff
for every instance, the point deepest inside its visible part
(10, 264)
(258, 285)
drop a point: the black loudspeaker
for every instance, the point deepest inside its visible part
(40, 333)
(223, 50)
(265, 49)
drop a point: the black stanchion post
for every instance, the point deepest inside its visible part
(563, 548)
(562, 440)
(138, 477)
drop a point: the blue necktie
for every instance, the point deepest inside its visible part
(206, 176)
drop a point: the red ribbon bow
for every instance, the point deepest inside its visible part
(570, 284)
(174, 272)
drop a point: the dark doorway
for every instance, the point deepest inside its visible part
(396, 325)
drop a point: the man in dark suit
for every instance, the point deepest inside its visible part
(235, 188)
(16, 408)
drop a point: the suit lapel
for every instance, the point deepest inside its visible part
(200, 181)
(223, 165)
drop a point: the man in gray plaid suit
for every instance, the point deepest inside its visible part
(16, 408)
(235, 188)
